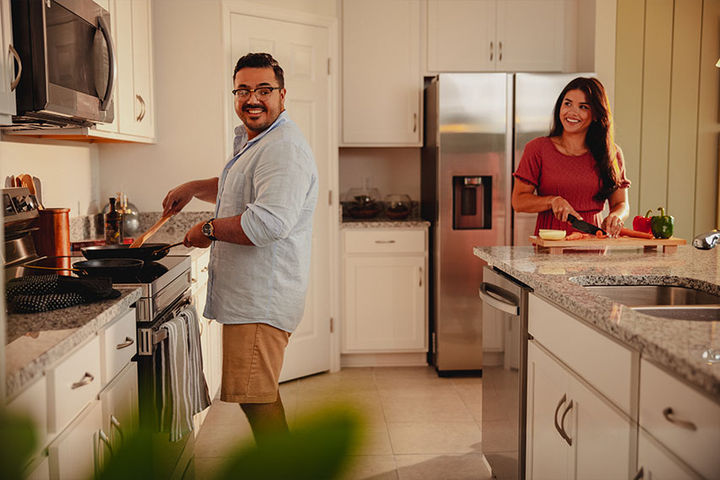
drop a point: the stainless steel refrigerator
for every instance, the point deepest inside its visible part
(476, 127)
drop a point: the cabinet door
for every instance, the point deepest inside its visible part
(120, 405)
(382, 82)
(76, 453)
(384, 303)
(599, 433)
(7, 68)
(136, 115)
(461, 35)
(657, 463)
(548, 454)
(530, 35)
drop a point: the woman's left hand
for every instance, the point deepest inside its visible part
(612, 225)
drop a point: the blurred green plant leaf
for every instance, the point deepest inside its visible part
(17, 443)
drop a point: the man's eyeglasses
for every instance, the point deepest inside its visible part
(260, 92)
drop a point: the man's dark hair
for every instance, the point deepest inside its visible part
(261, 60)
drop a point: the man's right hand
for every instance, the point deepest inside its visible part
(177, 198)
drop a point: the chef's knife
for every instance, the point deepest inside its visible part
(584, 226)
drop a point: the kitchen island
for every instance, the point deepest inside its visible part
(607, 382)
(676, 345)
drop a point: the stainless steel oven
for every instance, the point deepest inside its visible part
(68, 62)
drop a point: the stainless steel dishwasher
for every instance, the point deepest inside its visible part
(505, 335)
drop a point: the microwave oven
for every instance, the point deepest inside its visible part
(68, 63)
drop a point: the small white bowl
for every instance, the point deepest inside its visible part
(551, 234)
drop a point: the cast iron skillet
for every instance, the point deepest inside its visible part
(118, 269)
(148, 252)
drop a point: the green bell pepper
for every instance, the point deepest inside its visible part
(662, 225)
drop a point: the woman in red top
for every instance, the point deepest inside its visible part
(576, 168)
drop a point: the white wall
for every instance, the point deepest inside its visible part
(69, 171)
(391, 170)
(190, 90)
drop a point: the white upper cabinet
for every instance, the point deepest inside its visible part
(7, 65)
(134, 107)
(501, 35)
(381, 76)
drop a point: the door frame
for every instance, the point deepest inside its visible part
(252, 9)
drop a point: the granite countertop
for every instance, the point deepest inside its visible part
(383, 223)
(36, 341)
(676, 345)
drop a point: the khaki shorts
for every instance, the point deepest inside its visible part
(252, 358)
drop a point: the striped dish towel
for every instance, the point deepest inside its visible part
(184, 389)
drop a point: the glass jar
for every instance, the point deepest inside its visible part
(398, 206)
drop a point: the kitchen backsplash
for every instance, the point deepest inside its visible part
(91, 227)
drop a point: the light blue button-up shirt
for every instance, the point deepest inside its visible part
(272, 181)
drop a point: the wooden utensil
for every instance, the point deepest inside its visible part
(151, 231)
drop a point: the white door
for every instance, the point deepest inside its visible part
(303, 52)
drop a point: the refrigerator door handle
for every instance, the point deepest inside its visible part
(498, 298)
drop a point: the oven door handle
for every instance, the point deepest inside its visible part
(499, 298)
(112, 71)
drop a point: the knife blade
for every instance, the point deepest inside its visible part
(584, 226)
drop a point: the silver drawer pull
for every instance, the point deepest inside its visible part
(103, 436)
(86, 379)
(670, 417)
(114, 422)
(128, 341)
(384, 241)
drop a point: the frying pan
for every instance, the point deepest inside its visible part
(148, 252)
(119, 269)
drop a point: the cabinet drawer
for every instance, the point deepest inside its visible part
(385, 241)
(72, 384)
(602, 362)
(32, 402)
(200, 270)
(698, 447)
(118, 345)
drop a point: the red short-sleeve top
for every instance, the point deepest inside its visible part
(575, 178)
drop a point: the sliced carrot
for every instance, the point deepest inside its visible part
(600, 234)
(574, 236)
(634, 233)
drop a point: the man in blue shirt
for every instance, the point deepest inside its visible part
(261, 238)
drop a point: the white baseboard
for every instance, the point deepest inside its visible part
(413, 359)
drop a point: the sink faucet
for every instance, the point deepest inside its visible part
(707, 240)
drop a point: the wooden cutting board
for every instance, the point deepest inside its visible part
(669, 245)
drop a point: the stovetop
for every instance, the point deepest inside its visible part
(156, 275)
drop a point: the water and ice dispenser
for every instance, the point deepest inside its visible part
(472, 202)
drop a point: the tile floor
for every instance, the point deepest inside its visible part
(419, 426)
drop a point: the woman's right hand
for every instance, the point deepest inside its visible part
(561, 209)
(177, 198)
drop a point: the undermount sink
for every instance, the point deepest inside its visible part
(666, 301)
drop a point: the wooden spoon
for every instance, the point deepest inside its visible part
(29, 183)
(151, 231)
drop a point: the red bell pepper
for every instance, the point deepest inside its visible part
(643, 224)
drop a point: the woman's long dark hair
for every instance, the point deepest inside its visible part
(600, 137)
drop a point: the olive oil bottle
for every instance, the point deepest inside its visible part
(113, 225)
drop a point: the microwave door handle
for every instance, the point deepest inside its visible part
(102, 24)
(14, 54)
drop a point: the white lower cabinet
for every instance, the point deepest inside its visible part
(78, 452)
(385, 291)
(572, 431)
(120, 406)
(655, 462)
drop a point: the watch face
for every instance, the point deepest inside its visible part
(207, 229)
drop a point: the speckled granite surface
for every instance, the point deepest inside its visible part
(36, 341)
(380, 223)
(676, 345)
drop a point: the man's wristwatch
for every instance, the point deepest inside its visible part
(208, 229)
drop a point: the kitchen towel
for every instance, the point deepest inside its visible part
(184, 389)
